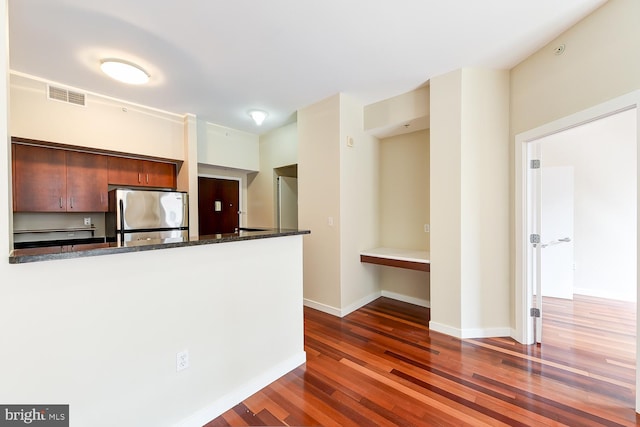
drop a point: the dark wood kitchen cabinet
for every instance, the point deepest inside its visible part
(39, 179)
(86, 182)
(141, 173)
(53, 180)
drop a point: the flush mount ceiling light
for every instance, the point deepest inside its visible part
(258, 116)
(124, 71)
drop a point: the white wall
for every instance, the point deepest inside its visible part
(278, 148)
(104, 123)
(107, 335)
(6, 203)
(225, 147)
(603, 156)
(469, 203)
(404, 210)
(319, 200)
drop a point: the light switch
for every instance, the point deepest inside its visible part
(217, 206)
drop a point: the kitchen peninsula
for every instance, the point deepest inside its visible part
(20, 256)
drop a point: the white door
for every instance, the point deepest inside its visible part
(287, 202)
(556, 232)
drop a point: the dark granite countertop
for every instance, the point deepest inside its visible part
(20, 256)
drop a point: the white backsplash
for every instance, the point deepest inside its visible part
(58, 221)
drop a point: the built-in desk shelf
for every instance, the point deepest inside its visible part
(402, 258)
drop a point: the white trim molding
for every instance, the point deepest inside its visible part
(236, 396)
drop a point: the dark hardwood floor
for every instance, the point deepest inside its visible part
(382, 366)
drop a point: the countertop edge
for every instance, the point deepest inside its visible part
(250, 235)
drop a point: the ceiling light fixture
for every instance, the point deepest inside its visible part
(124, 71)
(258, 116)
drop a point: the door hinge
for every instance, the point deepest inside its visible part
(534, 238)
(535, 164)
(534, 312)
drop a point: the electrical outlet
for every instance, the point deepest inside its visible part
(427, 228)
(182, 360)
(87, 221)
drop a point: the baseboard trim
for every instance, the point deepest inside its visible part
(405, 298)
(322, 307)
(341, 312)
(360, 303)
(241, 393)
(470, 333)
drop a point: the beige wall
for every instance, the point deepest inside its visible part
(338, 202)
(598, 64)
(319, 200)
(470, 203)
(359, 203)
(445, 209)
(404, 209)
(404, 191)
(390, 116)
(225, 147)
(188, 173)
(278, 148)
(104, 123)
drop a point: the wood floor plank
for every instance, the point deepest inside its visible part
(382, 366)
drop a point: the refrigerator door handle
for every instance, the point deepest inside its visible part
(121, 207)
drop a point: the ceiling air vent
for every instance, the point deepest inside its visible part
(65, 95)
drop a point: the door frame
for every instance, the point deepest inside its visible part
(523, 331)
(230, 178)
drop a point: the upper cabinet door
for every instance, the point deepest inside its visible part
(159, 174)
(86, 182)
(39, 181)
(141, 173)
(124, 171)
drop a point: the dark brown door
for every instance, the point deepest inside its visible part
(218, 206)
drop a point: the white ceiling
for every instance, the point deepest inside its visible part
(219, 58)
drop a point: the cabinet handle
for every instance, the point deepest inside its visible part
(60, 202)
(147, 178)
(71, 203)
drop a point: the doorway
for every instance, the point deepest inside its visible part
(218, 206)
(528, 249)
(286, 195)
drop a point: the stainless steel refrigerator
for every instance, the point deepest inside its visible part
(137, 216)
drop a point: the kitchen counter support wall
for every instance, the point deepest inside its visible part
(102, 333)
